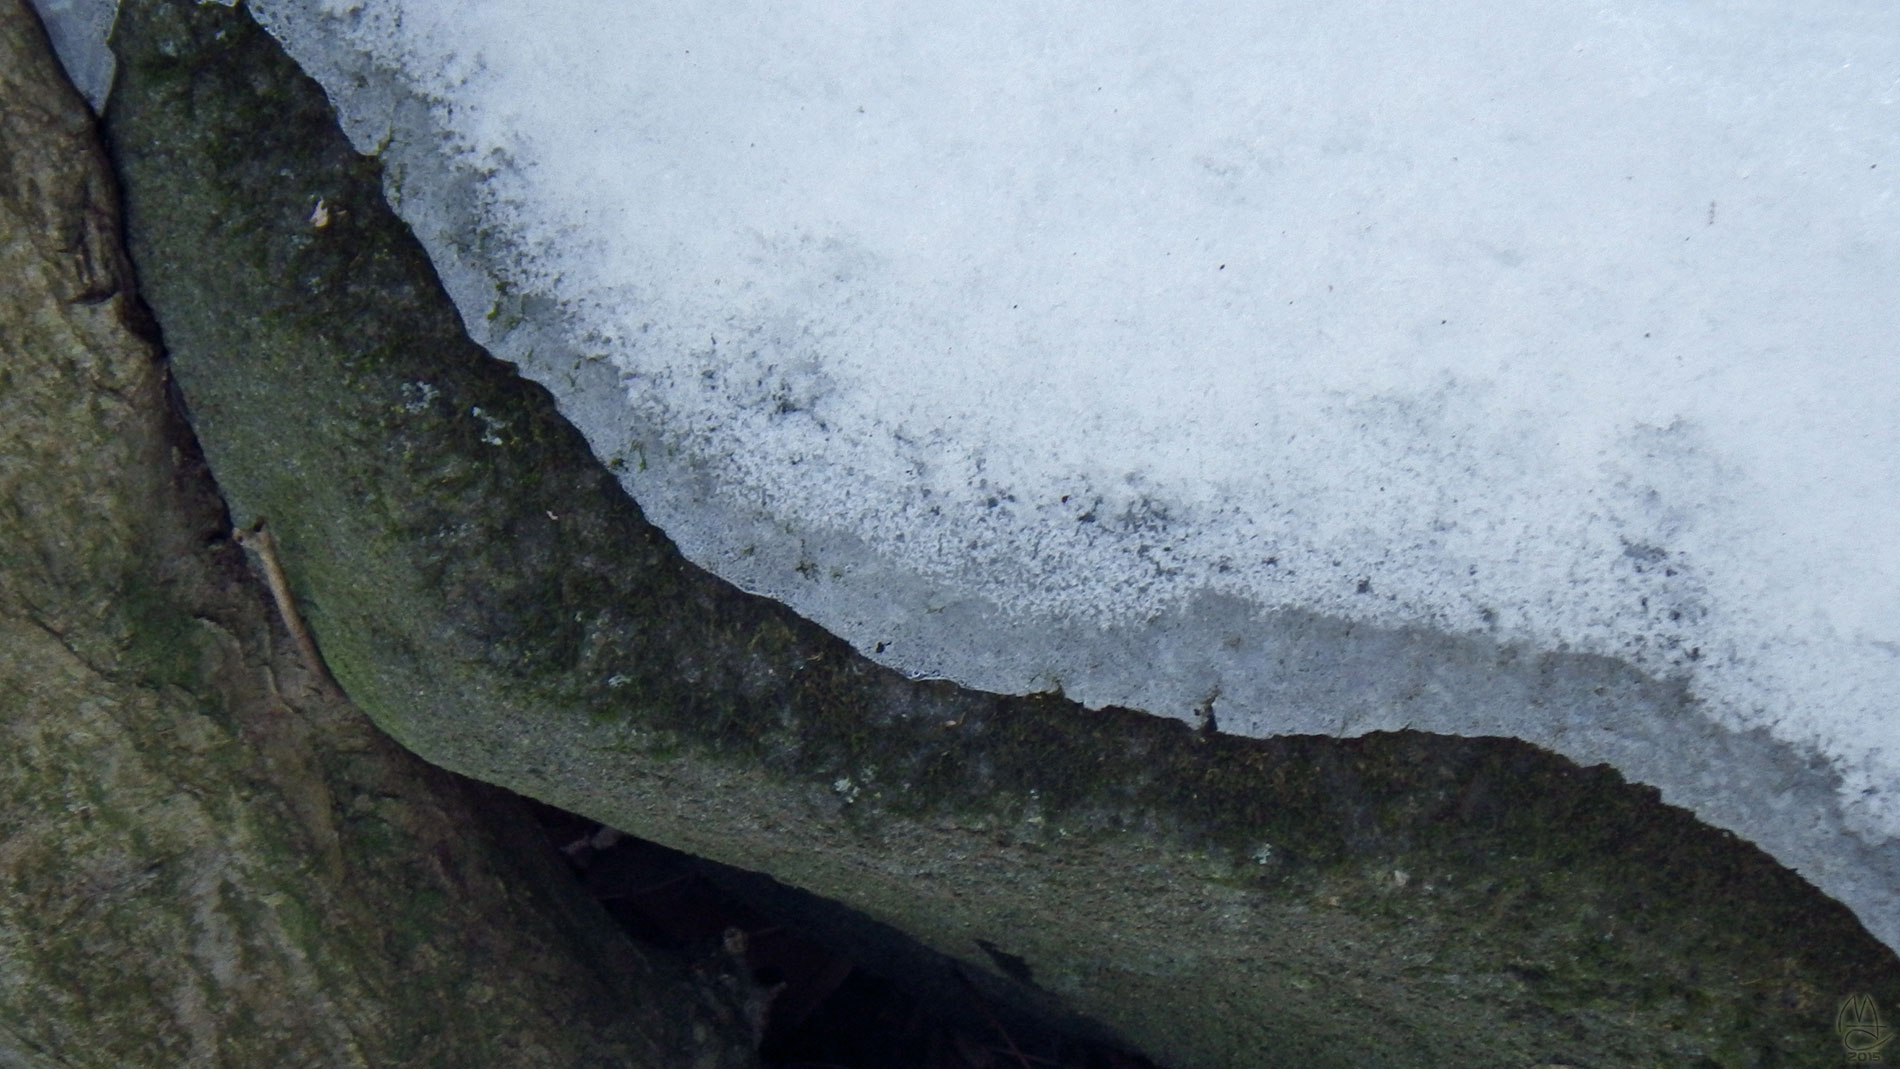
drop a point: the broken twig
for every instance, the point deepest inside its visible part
(259, 541)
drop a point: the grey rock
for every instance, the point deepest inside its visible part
(207, 856)
(483, 588)
(1108, 601)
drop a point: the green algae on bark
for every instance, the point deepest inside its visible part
(205, 860)
(482, 586)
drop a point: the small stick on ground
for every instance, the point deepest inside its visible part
(258, 540)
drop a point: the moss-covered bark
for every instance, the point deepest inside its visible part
(484, 589)
(206, 858)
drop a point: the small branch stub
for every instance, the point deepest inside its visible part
(259, 541)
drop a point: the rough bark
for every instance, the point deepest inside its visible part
(207, 857)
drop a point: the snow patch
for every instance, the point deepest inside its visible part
(1310, 367)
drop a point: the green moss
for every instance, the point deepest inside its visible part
(166, 645)
(484, 589)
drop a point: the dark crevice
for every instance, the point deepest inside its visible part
(829, 986)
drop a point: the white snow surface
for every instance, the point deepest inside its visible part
(78, 30)
(1039, 345)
